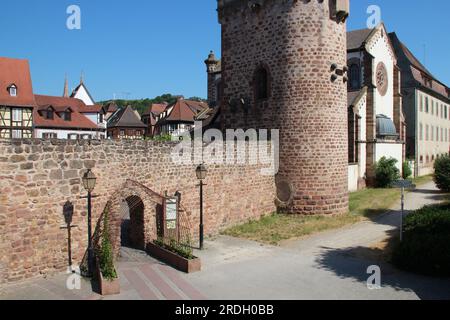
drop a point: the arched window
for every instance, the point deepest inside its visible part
(355, 77)
(261, 84)
(12, 90)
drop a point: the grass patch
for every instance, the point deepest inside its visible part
(422, 180)
(278, 227)
(275, 228)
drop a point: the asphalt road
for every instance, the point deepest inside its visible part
(330, 265)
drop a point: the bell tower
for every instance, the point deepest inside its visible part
(284, 67)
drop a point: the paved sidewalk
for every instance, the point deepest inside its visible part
(330, 265)
(141, 278)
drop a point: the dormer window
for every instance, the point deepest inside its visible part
(12, 90)
(50, 114)
(67, 115)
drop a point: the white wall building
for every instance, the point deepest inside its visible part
(376, 122)
(426, 106)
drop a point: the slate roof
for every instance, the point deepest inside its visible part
(356, 38)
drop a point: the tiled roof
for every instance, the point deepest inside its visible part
(60, 104)
(96, 108)
(412, 65)
(125, 117)
(184, 110)
(156, 109)
(111, 107)
(17, 72)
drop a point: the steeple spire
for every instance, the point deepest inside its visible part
(66, 88)
(82, 77)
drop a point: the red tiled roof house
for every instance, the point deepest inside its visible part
(16, 99)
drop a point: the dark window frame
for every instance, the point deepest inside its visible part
(262, 83)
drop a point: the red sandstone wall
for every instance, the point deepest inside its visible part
(297, 42)
(38, 177)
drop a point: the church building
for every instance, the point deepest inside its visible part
(426, 103)
(94, 112)
(376, 124)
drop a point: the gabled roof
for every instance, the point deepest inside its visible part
(209, 117)
(60, 104)
(414, 69)
(96, 108)
(16, 72)
(111, 107)
(81, 85)
(125, 117)
(357, 38)
(43, 100)
(156, 109)
(184, 110)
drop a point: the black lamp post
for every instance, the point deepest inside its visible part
(68, 217)
(89, 181)
(201, 175)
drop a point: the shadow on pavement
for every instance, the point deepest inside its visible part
(353, 262)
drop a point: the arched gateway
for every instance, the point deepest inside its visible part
(138, 225)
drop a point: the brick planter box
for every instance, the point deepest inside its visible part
(174, 260)
(105, 286)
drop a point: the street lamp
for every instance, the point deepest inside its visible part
(201, 175)
(89, 181)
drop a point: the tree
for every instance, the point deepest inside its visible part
(407, 172)
(442, 173)
(386, 172)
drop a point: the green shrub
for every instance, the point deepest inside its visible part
(442, 173)
(162, 138)
(426, 242)
(386, 172)
(182, 249)
(407, 172)
(105, 254)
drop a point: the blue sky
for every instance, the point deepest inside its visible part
(143, 48)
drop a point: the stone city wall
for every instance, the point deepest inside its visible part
(37, 178)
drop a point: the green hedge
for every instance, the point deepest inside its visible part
(426, 242)
(442, 173)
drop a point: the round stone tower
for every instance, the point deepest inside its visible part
(283, 67)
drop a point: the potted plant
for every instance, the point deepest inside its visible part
(108, 278)
(176, 254)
